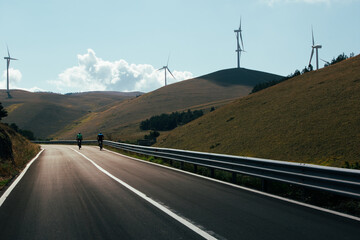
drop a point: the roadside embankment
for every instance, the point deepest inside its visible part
(15, 152)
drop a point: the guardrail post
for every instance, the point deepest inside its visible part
(195, 168)
(264, 185)
(212, 172)
(234, 177)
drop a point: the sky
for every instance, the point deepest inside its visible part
(114, 45)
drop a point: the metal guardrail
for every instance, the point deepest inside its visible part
(331, 179)
(66, 142)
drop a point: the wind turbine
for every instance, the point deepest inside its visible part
(8, 58)
(166, 68)
(239, 49)
(312, 50)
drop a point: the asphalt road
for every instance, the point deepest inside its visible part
(64, 195)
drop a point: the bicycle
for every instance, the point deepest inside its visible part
(79, 143)
(100, 145)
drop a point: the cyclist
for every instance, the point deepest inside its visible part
(79, 138)
(100, 138)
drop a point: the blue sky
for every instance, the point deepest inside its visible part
(82, 45)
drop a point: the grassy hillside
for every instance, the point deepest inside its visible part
(121, 121)
(311, 118)
(46, 113)
(15, 152)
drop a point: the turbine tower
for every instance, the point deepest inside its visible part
(239, 49)
(166, 68)
(312, 50)
(8, 58)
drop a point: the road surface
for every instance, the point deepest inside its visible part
(92, 194)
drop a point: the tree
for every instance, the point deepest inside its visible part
(152, 135)
(296, 73)
(311, 67)
(28, 134)
(166, 122)
(340, 58)
(3, 112)
(15, 127)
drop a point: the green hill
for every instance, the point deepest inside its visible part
(121, 121)
(311, 118)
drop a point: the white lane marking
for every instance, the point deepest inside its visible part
(17, 180)
(151, 201)
(247, 189)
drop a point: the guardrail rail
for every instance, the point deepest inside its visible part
(336, 180)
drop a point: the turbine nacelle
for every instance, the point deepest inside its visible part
(166, 68)
(9, 58)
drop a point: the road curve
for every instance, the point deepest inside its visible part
(64, 196)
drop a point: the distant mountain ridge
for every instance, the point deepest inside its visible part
(45, 113)
(115, 93)
(118, 115)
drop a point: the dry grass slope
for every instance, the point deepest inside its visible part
(16, 151)
(313, 118)
(121, 121)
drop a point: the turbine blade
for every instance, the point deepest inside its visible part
(312, 53)
(237, 41)
(8, 50)
(170, 73)
(324, 61)
(167, 64)
(240, 24)
(312, 32)
(242, 43)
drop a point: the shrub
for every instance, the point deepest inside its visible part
(3, 112)
(166, 122)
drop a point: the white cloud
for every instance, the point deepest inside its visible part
(15, 77)
(35, 89)
(96, 74)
